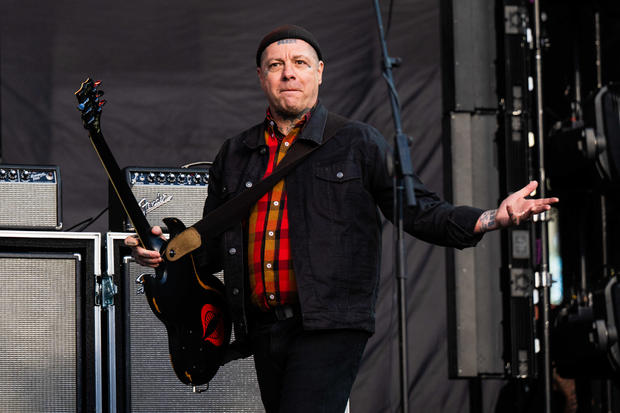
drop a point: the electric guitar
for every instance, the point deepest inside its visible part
(191, 305)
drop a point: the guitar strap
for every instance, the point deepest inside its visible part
(237, 208)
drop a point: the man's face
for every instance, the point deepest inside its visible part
(290, 75)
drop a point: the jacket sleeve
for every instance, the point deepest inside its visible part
(432, 219)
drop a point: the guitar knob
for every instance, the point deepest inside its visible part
(161, 178)
(12, 174)
(2, 173)
(171, 178)
(198, 178)
(181, 178)
(25, 175)
(150, 177)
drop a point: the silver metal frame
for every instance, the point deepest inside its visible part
(96, 238)
(111, 310)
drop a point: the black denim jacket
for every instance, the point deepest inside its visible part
(334, 223)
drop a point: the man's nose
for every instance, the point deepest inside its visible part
(288, 72)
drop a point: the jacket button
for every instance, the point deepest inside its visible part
(235, 291)
(224, 189)
(248, 184)
(232, 251)
(339, 175)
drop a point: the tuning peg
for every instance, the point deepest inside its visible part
(82, 105)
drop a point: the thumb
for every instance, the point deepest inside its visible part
(527, 189)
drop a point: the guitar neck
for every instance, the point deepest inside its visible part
(122, 189)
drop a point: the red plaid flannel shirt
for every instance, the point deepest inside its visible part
(270, 267)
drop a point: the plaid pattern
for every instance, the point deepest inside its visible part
(270, 267)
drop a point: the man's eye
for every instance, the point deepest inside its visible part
(300, 62)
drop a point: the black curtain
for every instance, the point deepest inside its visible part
(180, 77)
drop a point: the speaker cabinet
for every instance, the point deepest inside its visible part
(144, 381)
(474, 293)
(49, 339)
(30, 197)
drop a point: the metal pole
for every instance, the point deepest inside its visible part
(545, 276)
(401, 282)
(404, 196)
(597, 45)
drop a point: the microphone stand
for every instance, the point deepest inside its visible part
(543, 276)
(404, 196)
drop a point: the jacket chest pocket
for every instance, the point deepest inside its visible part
(338, 185)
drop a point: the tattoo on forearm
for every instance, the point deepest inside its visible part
(487, 220)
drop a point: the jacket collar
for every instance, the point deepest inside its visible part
(312, 131)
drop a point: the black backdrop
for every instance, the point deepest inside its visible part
(179, 78)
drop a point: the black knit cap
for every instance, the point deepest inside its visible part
(288, 31)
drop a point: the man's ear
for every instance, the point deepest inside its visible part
(320, 70)
(259, 73)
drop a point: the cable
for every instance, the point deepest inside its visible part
(88, 221)
(199, 163)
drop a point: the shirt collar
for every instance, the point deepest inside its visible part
(312, 130)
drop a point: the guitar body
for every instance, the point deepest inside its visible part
(191, 306)
(194, 312)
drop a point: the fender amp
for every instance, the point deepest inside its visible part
(30, 197)
(141, 377)
(162, 193)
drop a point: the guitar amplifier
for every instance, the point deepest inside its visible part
(162, 193)
(141, 377)
(30, 197)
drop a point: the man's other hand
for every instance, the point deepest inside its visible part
(143, 256)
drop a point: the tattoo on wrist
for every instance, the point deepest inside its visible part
(487, 220)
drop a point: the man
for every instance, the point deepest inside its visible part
(302, 271)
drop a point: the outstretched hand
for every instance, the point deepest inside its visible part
(514, 210)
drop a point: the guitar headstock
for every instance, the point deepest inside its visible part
(90, 103)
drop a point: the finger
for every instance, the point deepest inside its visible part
(528, 189)
(131, 241)
(156, 230)
(144, 253)
(537, 209)
(147, 264)
(150, 262)
(146, 257)
(547, 201)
